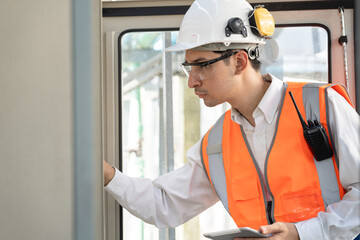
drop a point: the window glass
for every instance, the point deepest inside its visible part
(297, 53)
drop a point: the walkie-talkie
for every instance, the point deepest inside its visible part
(315, 136)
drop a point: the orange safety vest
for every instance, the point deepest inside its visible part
(300, 186)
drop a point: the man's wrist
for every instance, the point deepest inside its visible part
(109, 173)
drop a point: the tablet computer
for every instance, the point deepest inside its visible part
(244, 232)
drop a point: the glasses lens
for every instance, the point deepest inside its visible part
(187, 70)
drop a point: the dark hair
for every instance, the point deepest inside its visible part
(255, 63)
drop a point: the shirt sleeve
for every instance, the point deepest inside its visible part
(341, 220)
(169, 200)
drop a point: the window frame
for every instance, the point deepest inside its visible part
(328, 40)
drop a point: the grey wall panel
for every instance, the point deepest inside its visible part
(87, 120)
(37, 143)
(36, 146)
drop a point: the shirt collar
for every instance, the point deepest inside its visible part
(268, 105)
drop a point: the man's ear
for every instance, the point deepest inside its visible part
(242, 61)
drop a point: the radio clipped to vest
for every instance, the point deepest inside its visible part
(315, 136)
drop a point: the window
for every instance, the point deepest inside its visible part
(162, 117)
(297, 53)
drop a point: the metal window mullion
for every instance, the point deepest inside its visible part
(162, 123)
(166, 124)
(167, 75)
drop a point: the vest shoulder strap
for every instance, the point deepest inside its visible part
(311, 95)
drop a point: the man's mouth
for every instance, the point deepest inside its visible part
(200, 94)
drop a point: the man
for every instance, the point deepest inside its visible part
(255, 157)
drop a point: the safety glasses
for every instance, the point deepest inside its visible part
(188, 67)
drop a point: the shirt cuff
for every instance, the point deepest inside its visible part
(117, 186)
(310, 229)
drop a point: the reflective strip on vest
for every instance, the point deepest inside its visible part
(325, 169)
(216, 165)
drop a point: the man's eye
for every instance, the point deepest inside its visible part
(204, 67)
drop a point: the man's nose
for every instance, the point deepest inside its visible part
(193, 80)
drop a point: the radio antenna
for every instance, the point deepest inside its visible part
(303, 123)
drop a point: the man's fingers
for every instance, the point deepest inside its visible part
(280, 229)
(273, 228)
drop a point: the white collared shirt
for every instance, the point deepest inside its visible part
(265, 115)
(176, 197)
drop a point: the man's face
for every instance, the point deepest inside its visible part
(213, 83)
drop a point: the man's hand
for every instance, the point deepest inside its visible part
(278, 230)
(109, 173)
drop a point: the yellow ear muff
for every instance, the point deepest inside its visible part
(263, 21)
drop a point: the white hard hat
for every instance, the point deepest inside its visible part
(220, 25)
